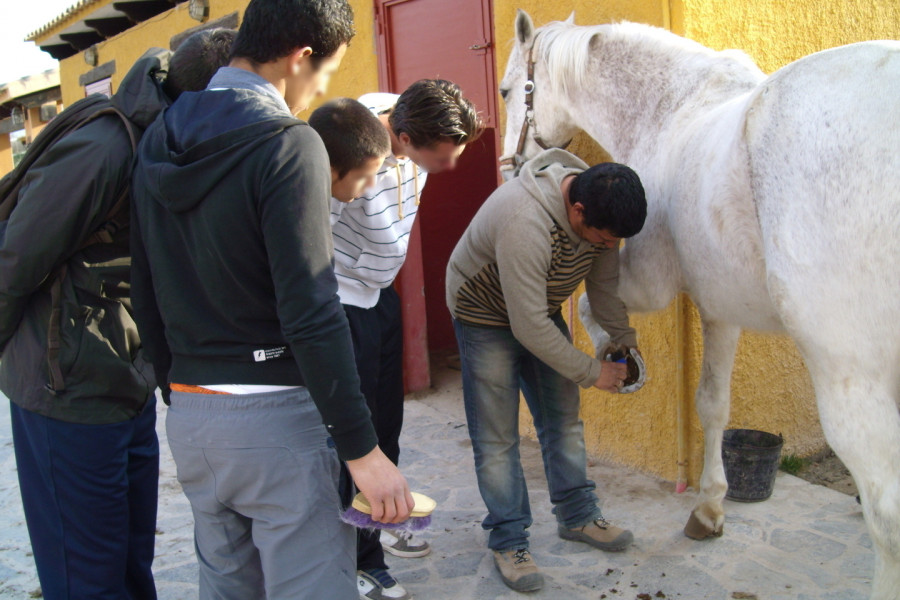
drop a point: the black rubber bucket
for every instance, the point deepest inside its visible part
(751, 462)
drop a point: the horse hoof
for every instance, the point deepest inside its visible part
(698, 531)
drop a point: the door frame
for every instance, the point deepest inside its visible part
(410, 282)
(387, 80)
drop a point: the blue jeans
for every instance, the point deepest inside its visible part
(90, 496)
(495, 367)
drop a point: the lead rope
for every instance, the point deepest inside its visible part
(400, 187)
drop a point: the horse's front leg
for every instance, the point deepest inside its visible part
(599, 337)
(713, 401)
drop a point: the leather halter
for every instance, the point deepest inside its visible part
(515, 161)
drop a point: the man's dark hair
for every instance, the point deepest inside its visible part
(432, 111)
(352, 134)
(197, 59)
(272, 29)
(612, 197)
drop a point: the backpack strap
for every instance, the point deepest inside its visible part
(110, 226)
(57, 383)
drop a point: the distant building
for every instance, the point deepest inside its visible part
(26, 105)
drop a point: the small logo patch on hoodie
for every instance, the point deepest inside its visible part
(268, 354)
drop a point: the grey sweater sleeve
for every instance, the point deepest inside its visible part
(609, 311)
(523, 259)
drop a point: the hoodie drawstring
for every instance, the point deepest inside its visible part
(400, 187)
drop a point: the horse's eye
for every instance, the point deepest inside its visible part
(504, 93)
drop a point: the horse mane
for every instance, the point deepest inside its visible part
(566, 49)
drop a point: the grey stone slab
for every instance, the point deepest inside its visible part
(811, 545)
(460, 565)
(747, 575)
(844, 530)
(184, 573)
(864, 540)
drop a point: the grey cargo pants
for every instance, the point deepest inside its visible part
(262, 480)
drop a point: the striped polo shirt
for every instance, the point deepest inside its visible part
(371, 234)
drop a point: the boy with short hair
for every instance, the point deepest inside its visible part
(356, 142)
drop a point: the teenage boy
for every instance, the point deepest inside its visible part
(531, 244)
(235, 291)
(429, 125)
(357, 144)
(86, 449)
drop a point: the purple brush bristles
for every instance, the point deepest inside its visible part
(359, 519)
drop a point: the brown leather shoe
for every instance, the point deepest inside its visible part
(599, 533)
(517, 569)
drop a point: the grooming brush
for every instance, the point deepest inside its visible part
(360, 515)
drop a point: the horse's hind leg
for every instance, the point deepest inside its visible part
(713, 401)
(859, 416)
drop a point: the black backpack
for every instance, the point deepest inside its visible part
(72, 118)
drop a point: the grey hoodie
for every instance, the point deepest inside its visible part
(519, 260)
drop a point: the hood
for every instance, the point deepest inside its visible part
(542, 175)
(201, 139)
(140, 95)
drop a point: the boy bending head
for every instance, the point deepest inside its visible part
(357, 145)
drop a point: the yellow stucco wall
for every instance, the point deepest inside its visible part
(6, 154)
(771, 388)
(775, 33)
(358, 74)
(129, 45)
(638, 430)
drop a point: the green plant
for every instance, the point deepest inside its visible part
(793, 464)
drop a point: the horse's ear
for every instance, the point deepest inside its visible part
(524, 27)
(571, 19)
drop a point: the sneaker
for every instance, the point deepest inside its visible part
(367, 586)
(377, 584)
(517, 570)
(599, 533)
(402, 544)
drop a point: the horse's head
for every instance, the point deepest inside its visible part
(536, 113)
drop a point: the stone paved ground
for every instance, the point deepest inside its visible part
(806, 542)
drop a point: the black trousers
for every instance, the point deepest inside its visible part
(377, 334)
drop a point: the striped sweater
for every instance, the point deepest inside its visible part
(519, 260)
(371, 234)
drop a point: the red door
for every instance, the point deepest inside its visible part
(420, 39)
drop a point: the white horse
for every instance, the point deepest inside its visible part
(773, 202)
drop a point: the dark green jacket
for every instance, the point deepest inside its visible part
(68, 194)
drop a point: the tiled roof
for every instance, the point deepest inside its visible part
(29, 85)
(78, 6)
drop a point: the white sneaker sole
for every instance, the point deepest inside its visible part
(406, 553)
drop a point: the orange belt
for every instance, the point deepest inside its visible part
(193, 389)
